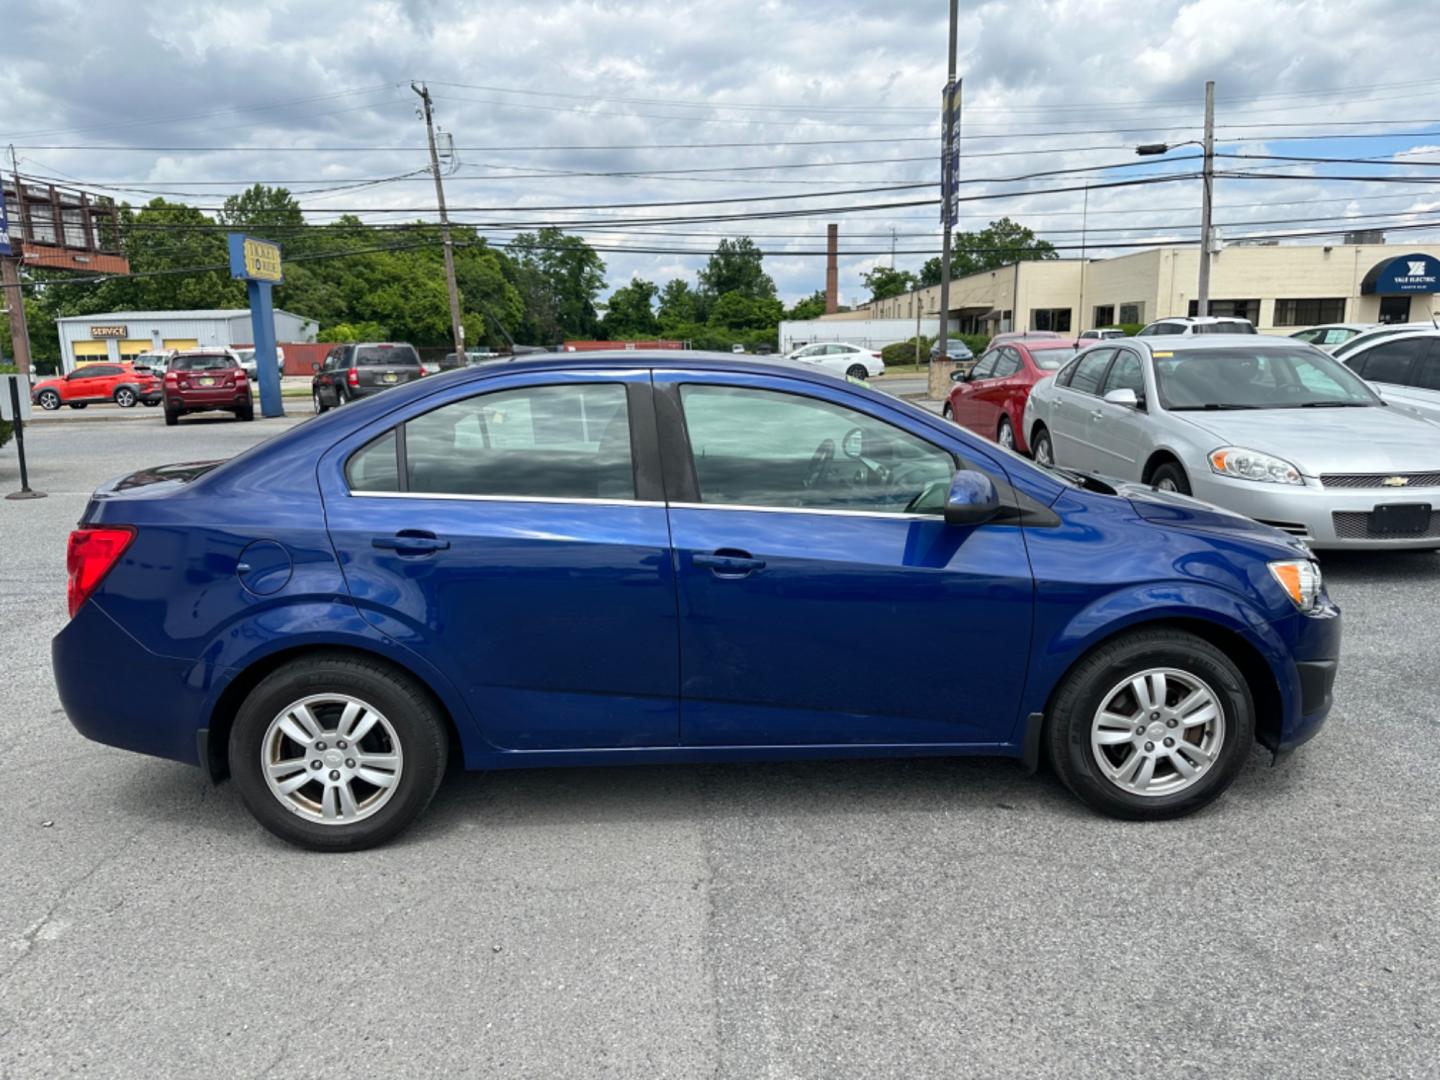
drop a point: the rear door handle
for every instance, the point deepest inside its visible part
(728, 563)
(1097, 415)
(411, 542)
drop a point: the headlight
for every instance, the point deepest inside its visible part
(1300, 578)
(1245, 464)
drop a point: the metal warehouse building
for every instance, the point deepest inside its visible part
(119, 335)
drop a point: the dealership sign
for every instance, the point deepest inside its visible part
(1418, 273)
(254, 260)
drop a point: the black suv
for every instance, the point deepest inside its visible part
(362, 369)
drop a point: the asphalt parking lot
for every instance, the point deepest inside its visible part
(936, 918)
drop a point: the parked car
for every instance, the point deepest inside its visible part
(738, 349)
(956, 351)
(157, 362)
(1198, 324)
(247, 361)
(1269, 428)
(1374, 334)
(205, 381)
(1331, 334)
(841, 359)
(990, 398)
(432, 539)
(1026, 335)
(1404, 368)
(126, 384)
(1104, 333)
(355, 371)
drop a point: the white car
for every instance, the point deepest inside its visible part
(1198, 324)
(1374, 334)
(840, 359)
(247, 360)
(1103, 333)
(1404, 368)
(1329, 335)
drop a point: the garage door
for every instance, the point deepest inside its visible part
(133, 348)
(181, 343)
(90, 352)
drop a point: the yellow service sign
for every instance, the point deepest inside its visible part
(262, 260)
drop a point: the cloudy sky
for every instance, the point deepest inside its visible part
(729, 109)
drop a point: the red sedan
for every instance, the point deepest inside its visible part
(990, 398)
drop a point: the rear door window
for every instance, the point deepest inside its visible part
(1392, 361)
(386, 355)
(1008, 363)
(552, 442)
(1089, 370)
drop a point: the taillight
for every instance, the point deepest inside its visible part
(172, 377)
(91, 554)
(352, 377)
(423, 371)
(241, 376)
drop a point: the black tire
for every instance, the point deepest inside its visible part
(412, 715)
(49, 400)
(1173, 475)
(247, 413)
(172, 417)
(1041, 448)
(1081, 695)
(1005, 434)
(125, 397)
(150, 404)
(857, 371)
(947, 413)
(80, 406)
(319, 400)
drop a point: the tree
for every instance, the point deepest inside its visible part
(812, 307)
(736, 311)
(736, 266)
(885, 282)
(560, 278)
(360, 331)
(998, 244)
(631, 311)
(679, 306)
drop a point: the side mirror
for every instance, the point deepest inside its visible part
(1126, 397)
(972, 500)
(314, 365)
(959, 376)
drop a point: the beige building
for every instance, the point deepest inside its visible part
(1279, 289)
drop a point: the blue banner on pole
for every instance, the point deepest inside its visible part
(950, 153)
(5, 248)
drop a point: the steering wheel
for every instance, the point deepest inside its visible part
(819, 462)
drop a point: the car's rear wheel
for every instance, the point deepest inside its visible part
(1005, 435)
(1153, 725)
(49, 400)
(946, 412)
(246, 413)
(172, 417)
(1041, 448)
(125, 397)
(857, 371)
(320, 405)
(337, 753)
(1171, 477)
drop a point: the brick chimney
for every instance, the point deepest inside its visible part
(832, 269)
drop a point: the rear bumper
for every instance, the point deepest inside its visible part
(209, 399)
(149, 397)
(117, 692)
(367, 391)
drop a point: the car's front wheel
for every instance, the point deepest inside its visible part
(336, 752)
(1041, 448)
(49, 400)
(857, 371)
(1005, 435)
(1171, 477)
(125, 397)
(1155, 724)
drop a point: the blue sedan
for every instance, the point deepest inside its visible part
(603, 559)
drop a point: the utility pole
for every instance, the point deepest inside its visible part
(458, 330)
(1202, 305)
(14, 297)
(946, 186)
(892, 247)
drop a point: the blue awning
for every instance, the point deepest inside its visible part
(1418, 273)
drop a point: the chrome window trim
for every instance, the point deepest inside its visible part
(824, 511)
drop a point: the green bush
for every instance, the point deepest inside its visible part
(976, 343)
(903, 352)
(7, 429)
(1131, 328)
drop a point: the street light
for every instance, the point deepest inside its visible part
(1207, 172)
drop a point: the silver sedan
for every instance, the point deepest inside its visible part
(1275, 430)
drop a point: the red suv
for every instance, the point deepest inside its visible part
(201, 381)
(94, 384)
(990, 398)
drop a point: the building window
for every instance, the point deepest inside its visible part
(1132, 313)
(1240, 309)
(1104, 315)
(1057, 319)
(1309, 312)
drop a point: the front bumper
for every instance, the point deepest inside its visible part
(1310, 512)
(1308, 683)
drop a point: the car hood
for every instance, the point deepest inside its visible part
(1317, 441)
(1183, 511)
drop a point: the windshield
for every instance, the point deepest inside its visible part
(1259, 377)
(1052, 359)
(386, 355)
(205, 362)
(246, 355)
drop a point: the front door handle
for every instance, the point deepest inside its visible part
(411, 542)
(728, 562)
(1097, 415)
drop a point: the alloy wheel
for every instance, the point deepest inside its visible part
(331, 759)
(318, 407)
(1043, 453)
(124, 397)
(1157, 732)
(50, 401)
(1166, 484)
(1007, 435)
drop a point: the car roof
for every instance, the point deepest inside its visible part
(1401, 335)
(1192, 342)
(1048, 343)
